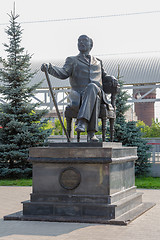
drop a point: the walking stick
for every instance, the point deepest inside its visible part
(55, 104)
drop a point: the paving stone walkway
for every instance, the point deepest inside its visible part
(146, 227)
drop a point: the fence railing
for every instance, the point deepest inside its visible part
(155, 149)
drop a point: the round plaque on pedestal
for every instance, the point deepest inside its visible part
(70, 178)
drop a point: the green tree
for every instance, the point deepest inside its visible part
(19, 118)
(121, 108)
(57, 129)
(132, 136)
(150, 131)
(129, 134)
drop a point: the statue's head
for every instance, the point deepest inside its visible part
(85, 44)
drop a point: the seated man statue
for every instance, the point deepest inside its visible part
(86, 75)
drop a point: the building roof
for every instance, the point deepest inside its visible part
(135, 69)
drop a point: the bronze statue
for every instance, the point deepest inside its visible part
(86, 75)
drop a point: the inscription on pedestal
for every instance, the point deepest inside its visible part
(70, 178)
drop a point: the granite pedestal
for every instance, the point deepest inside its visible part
(83, 182)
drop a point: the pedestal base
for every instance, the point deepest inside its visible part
(125, 219)
(92, 183)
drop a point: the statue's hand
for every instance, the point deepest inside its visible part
(44, 67)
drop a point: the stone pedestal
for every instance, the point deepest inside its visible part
(83, 182)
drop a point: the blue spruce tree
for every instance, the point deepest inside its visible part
(129, 134)
(20, 120)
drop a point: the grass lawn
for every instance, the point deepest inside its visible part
(148, 182)
(141, 182)
(16, 182)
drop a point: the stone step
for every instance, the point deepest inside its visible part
(107, 211)
(128, 203)
(122, 194)
(131, 215)
(121, 220)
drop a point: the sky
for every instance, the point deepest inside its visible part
(123, 31)
(58, 39)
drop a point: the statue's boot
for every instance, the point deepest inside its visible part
(91, 137)
(81, 125)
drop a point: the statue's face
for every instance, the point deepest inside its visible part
(84, 44)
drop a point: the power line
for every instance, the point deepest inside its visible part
(87, 18)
